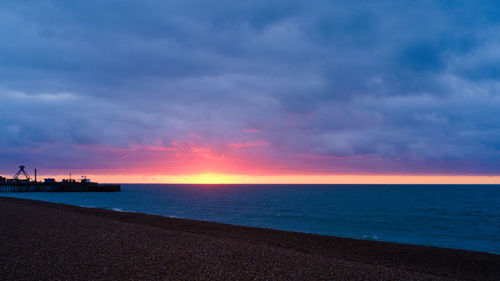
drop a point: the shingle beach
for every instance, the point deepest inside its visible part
(48, 241)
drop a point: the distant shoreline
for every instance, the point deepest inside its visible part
(42, 240)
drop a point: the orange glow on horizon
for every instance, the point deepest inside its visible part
(215, 178)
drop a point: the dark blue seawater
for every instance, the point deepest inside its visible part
(451, 216)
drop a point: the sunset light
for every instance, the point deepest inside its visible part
(215, 178)
(250, 140)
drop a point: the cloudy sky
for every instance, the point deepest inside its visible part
(277, 87)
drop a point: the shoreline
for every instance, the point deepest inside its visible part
(266, 228)
(43, 240)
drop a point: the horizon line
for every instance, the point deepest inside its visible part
(220, 178)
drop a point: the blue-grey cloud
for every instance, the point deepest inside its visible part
(386, 86)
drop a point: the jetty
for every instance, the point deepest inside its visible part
(22, 182)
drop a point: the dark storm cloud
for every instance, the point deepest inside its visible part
(382, 86)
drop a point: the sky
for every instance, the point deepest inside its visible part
(251, 91)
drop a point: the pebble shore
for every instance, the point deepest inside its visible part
(48, 241)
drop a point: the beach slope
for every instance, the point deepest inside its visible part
(48, 241)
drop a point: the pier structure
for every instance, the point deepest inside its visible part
(22, 171)
(26, 184)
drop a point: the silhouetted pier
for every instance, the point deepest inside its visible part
(58, 187)
(16, 184)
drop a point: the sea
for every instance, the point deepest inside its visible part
(450, 216)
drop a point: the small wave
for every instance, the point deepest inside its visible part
(86, 206)
(175, 217)
(122, 210)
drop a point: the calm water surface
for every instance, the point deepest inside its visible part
(452, 216)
